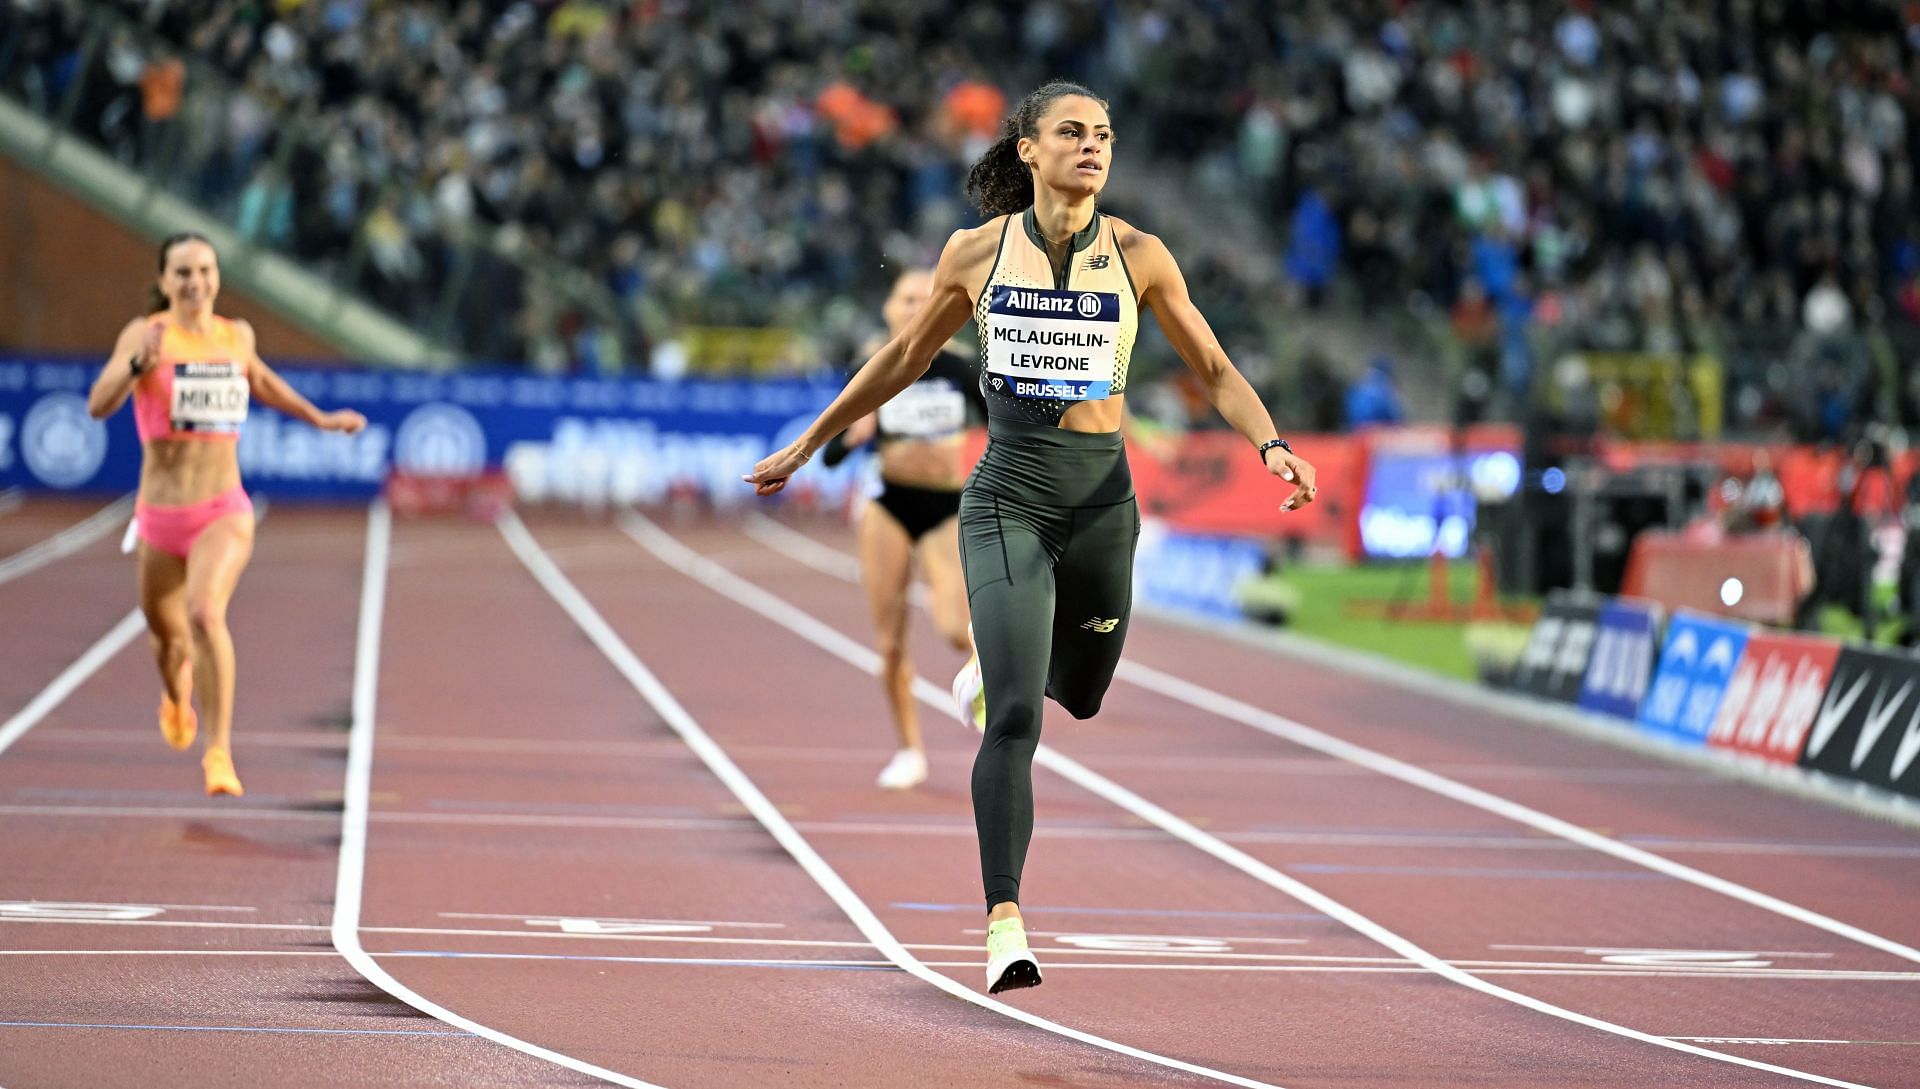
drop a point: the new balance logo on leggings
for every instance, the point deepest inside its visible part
(1104, 627)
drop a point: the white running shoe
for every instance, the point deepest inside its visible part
(970, 695)
(1010, 964)
(907, 769)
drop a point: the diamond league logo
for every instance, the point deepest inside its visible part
(61, 443)
(439, 439)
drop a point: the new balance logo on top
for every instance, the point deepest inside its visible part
(1097, 262)
(1104, 627)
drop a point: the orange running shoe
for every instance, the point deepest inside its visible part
(178, 722)
(220, 776)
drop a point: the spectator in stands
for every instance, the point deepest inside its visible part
(1373, 401)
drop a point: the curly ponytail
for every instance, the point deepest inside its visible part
(1000, 184)
(157, 299)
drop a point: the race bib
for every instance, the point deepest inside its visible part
(1060, 345)
(925, 410)
(209, 397)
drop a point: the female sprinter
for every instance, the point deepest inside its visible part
(920, 435)
(190, 373)
(1048, 520)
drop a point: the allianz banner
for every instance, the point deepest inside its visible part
(1555, 660)
(582, 439)
(1626, 646)
(1868, 726)
(1695, 668)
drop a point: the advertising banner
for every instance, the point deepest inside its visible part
(1775, 692)
(1696, 666)
(1626, 647)
(1559, 649)
(576, 439)
(1868, 725)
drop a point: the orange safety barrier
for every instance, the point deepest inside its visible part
(1759, 577)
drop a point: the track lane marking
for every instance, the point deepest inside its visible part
(663, 702)
(66, 542)
(743, 591)
(812, 553)
(345, 928)
(72, 677)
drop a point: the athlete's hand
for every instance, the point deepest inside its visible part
(150, 343)
(771, 474)
(1295, 471)
(345, 419)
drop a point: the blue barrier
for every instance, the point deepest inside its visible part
(585, 439)
(1695, 666)
(1626, 645)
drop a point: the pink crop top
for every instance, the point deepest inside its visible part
(197, 389)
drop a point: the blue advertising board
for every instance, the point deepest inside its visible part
(1626, 645)
(1695, 666)
(582, 439)
(1194, 572)
(1419, 501)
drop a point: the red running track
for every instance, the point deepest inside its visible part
(546, 857)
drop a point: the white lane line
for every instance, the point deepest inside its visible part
(68, 541)
(1287, 729)
(678, 556)
(603, 636)
(1236, 961)
(863, 828)
(353, 823)
(72, 677)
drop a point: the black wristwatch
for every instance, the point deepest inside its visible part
(138, 364)
(1270, 444)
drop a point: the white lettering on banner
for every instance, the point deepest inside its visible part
(1795, 719)
(1540, 648)
(1574, 647)
(6, 442)
(1908, 749)
(1663, 703)
(1622, 663)
(1832, 713)
(1697, 717)
(279, 448)
(628, 461)
(1719, 655)
(1878, 718)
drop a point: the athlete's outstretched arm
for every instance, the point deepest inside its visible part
(898, 364)
(1164, 291)
(133, 354)
(273, 391)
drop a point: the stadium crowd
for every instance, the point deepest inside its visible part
(1644, 175)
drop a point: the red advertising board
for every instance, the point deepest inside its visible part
(1774, 695)
(1213, 482)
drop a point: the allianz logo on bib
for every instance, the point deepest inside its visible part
(1033, 300)
(1037, 302)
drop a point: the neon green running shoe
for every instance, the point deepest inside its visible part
(1010, 964)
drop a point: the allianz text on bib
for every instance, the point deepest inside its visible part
(1060, 345)
(209, 397)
